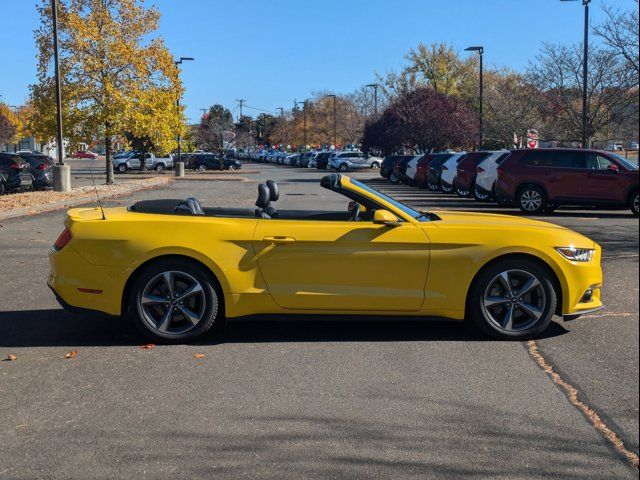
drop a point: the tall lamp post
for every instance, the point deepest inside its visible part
(335, 136)
(61, 172)
(179, 62)
(375, 97)
(480, 51)
(585, 59)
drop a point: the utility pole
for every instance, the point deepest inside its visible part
(240, 101)
(178, 62)
(204, 111)
(281, 111)
(375, 97)
(61, 172)
(480, 51)
(585, 61)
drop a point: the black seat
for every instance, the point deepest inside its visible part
(190, 206)
(264, 196)
(274, 194)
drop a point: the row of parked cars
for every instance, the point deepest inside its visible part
(25, 171)
(342, 160)
(200, 161)
(535, 180)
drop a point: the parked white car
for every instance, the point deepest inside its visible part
(488, 174)
(449, 169)
(412, 167)
(353, 160)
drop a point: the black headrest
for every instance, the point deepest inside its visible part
(273, 190)
(190, 206)
(263, 196)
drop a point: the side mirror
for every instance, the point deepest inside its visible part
(613, 168)
(385, 217)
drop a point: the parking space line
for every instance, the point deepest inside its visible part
(572, 395)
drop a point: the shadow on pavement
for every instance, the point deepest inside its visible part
(50, 328)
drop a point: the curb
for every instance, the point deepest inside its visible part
(89, 197)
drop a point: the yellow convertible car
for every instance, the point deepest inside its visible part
(177, 268)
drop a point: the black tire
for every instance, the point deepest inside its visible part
(210, 308)
(231, 168)
(447, 188)
(201, 168)
(160, 167)
(532, 199)
(343, 167)
(633, 203)
(484, 317)
(463, 193)
(2, 189)
(432, 186)
(480, 196)
(375, 166)
(122, 167)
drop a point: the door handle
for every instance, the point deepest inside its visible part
(278, 239)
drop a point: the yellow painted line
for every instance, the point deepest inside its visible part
(572, 394)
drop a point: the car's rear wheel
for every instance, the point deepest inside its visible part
(446, 188)
(532, 199)
(634, 203)
(393, 178)
(480, 196)
(343, 167)
(231, 167)
(202, 167)
(513, 299)
(160, 167)
(174, 302)
(375, 166)
(432, 186)
(462, 192)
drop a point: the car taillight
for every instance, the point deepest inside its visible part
(15, 166)
(63, 239)
(479, 170)
(42, 166)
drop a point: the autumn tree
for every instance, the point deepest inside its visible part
(9, 124)
(212, 126)
(116, 75)
(438, 66)
(423, 120)
(612, 95)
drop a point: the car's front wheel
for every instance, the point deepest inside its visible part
(174, 302)
(480, 196)
(160, 167)
(513, 299)
(122, 167)
(202, 167)
(634, 205)
(231, 167)
(343, 167)
(532, 199)
(446, 188)
(375, 166)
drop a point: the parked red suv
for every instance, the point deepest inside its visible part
(543, 179)
(422, 170)
(467, 172)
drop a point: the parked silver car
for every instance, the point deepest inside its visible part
(353, 160)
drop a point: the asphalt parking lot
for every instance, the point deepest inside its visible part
(392, 398)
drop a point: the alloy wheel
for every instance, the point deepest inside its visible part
(531, 200)
(514, 300)
(172, 303)
(202, 167)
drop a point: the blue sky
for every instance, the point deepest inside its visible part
(272, 52)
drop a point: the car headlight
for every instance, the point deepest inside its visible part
(576, 254)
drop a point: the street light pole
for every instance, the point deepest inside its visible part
(585, 61)
(480, 51)
(62, 173)
(375, 97)
(179, 62)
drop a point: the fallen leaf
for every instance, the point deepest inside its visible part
(11, 358)
(199, 356)
(72, 354)
(148, 346)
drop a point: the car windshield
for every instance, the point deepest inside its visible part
(627, 163)
(420, 216)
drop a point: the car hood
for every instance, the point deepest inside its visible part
(509, 223)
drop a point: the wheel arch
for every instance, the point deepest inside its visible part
(126, 291)
(553, 274)
(632, 190)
